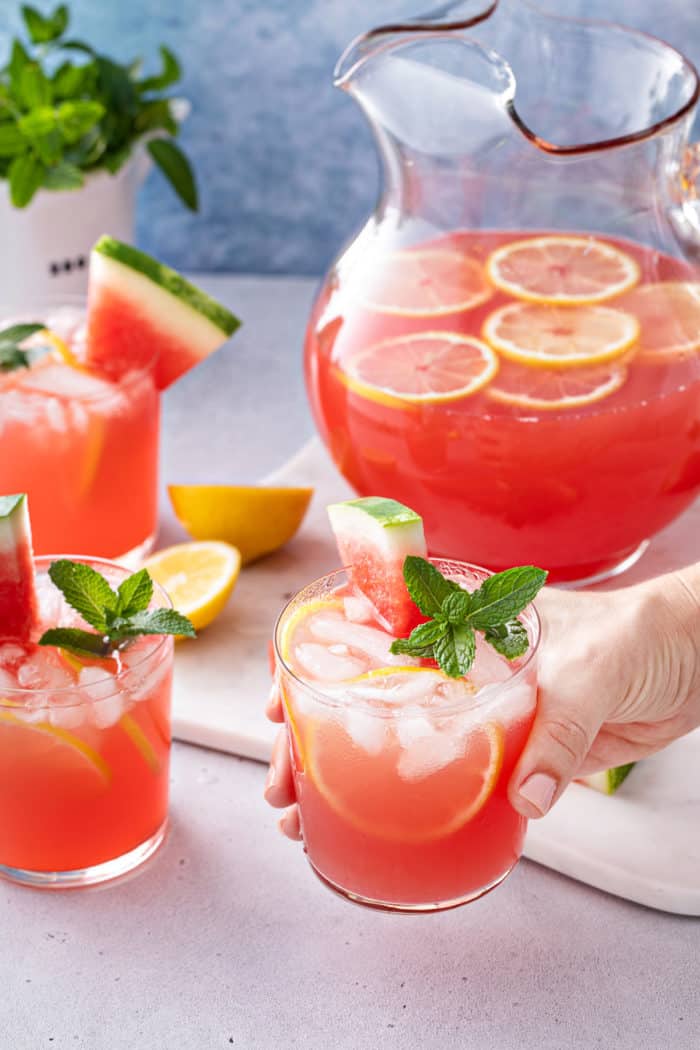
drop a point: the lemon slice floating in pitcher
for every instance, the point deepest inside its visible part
(564, 270)
(420, 369)
(198, 577)
(669, 318)
(558, 336)
(426, 283)
(559, 389)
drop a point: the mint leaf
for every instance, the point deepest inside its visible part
(43, 29)
(177, 169)
(428, 587)
(12, 358)
(455, 607)
(159, 621)
(510, 639)
(25, 175)
(448, 637)
(17, 333)
(135, 593)
(421, 639)
(63, 177)
(86, 590)
(76, 641)
(12, 141)
(504, 596)
(169, 75)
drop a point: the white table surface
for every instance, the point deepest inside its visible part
(226, 940)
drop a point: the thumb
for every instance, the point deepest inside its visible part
(560, 739)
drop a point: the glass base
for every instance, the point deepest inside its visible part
(415, 909)
(608, 573)
(110, 869)
(135, 558)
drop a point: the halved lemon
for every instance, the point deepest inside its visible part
(419, 369)
(669, 318)
(559, 336)
(198, 577)
(257, 519)
(71, 750)
(369, 793)
(564, 270)
(427, 283)
(557, 389)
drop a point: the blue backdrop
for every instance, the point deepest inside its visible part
(285, 163)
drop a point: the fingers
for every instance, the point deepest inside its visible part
(561, 737)
(273, 708)
(289, 824)
(279, 786)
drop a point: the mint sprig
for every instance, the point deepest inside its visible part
(448, 637)
(117, 616)
(12, 354)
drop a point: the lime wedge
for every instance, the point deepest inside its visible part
(608, 780)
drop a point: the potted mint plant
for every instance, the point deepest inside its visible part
(78, 132)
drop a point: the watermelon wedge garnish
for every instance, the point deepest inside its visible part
(374, 536)
(142, 314)
(18, 605)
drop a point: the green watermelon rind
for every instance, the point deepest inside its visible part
(169, 281)
(8, 504)
(388, 512)
(608, 780)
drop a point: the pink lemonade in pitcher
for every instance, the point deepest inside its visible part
(535, 396)
(401, 768)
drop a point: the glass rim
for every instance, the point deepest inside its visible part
(55, 300)
(115, 679)
(489, 694)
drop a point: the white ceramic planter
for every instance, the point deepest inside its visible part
(45, 246)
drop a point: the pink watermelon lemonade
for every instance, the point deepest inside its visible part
(536, 397)
(80, 406)
(84, 749)
(401, 772)
(83, 445)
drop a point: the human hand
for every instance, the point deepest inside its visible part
(619, 679)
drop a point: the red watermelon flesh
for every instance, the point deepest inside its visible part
(374, 536)
(143, 315)
(18, 604)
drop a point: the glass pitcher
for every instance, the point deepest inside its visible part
(511, 344)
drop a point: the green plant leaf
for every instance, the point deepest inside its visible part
(70, 81)
(421, 640)
(41, 129)
(17, 333)
(75, 119)
(135, 593)
(78, 45)
(456, 606)
(504, 596)
(34, 86)
(116, 159)
(116, 88)
(85, 590)
(154, 116)
(464, 641)
(177, 170)
(76, 641)
(12, 141)
(159, 621)
(510, 639)
(43, 29)
(25, 174)
(428, 587)
(63, 177)
(170, 73)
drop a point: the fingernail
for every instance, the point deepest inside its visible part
(270, 779)
(539, 790)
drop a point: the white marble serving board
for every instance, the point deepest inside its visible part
(642, 844)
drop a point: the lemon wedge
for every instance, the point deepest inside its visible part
(256, 519)
(198, 577)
